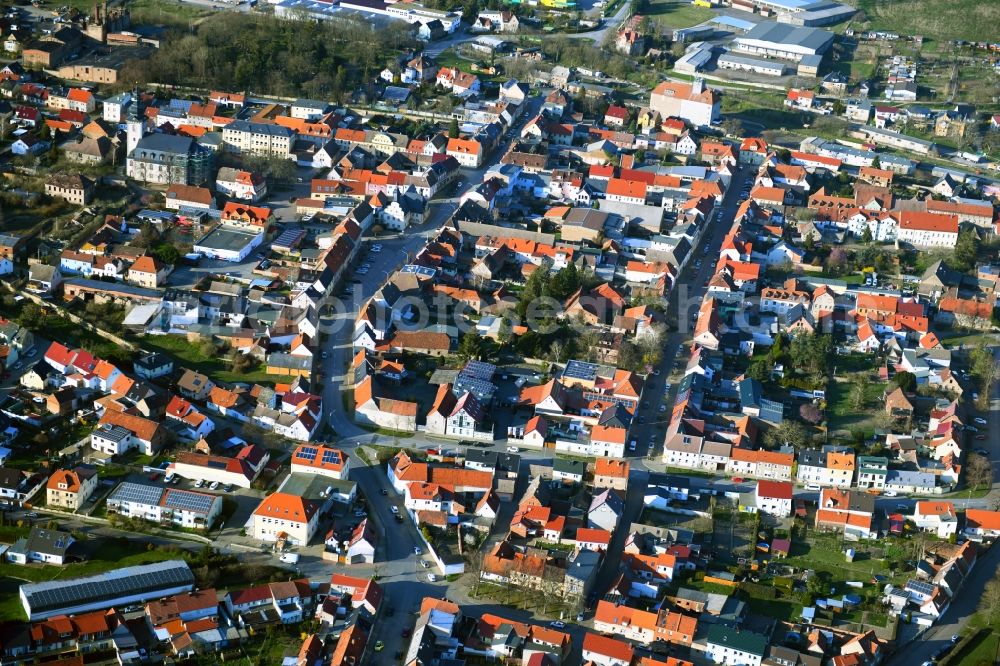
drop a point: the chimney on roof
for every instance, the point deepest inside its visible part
(698, 87)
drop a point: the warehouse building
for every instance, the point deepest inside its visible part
(732, 61)
(228, 244)
(787, 42)
(120, 587)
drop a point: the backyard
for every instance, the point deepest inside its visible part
(843, 410)
(219, 366)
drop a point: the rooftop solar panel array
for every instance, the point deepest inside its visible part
(307, 453)
(136, 493)
(580, 370)
(185, 500)
(107, 587)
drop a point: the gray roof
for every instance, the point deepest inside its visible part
(311, 104)
(165, 143)
(783, 33)
(258, 128)
(51, 597)
(50, 542)
(736, 639)
(566, 466)
(761, 63)
(137, 493)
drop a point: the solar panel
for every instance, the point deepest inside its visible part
(185, 500)
(136, 493)
(129, 581)
(307, 453)
(580, 370)
(920, 587)
(331, 457)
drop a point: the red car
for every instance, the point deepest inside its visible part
(737, 479)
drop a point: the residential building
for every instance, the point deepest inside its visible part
(70, 489)
(735, 647)
(692, 102)
(847, 511)
(75, 189)
(936, 516)
(285, 516)
(43, 546)
(172, 506)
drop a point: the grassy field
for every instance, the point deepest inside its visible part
(840, 409)
(677, 14)
(20, 218)
(973, 20)
(216, 367)
(983, 652)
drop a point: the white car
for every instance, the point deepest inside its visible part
(394, 510)
(289, 558)
(980, 420)
(890, 493)
(513, 449)
(417, 551)
(432, 578)
(199, 483)
(214, 486)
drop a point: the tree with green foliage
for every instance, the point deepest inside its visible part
(167, 254)
(453, 129)
(866, 235)
(474, 347)
(906, 381)
(564, 282)
(966, 247)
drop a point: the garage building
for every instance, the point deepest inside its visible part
(741, 63)
(228, 244)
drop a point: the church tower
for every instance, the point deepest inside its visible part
(135, 126)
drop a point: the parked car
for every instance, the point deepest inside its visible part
(289, 558)
(980, 420)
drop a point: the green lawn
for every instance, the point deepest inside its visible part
(678, 14)
(841, 413)
(780, 609)
(981, 652)
(937, 19)
(824, 552)
(216, 367)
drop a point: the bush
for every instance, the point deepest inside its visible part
(758, 591)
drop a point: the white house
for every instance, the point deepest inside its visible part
(185, 508)
(937, 517)
(774, 498)
(735, 647)
(283, 514)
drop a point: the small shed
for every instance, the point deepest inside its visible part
(781, 548)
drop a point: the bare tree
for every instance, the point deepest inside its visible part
(978, 471)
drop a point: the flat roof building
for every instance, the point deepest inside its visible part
(741, 63)
(227, 244)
